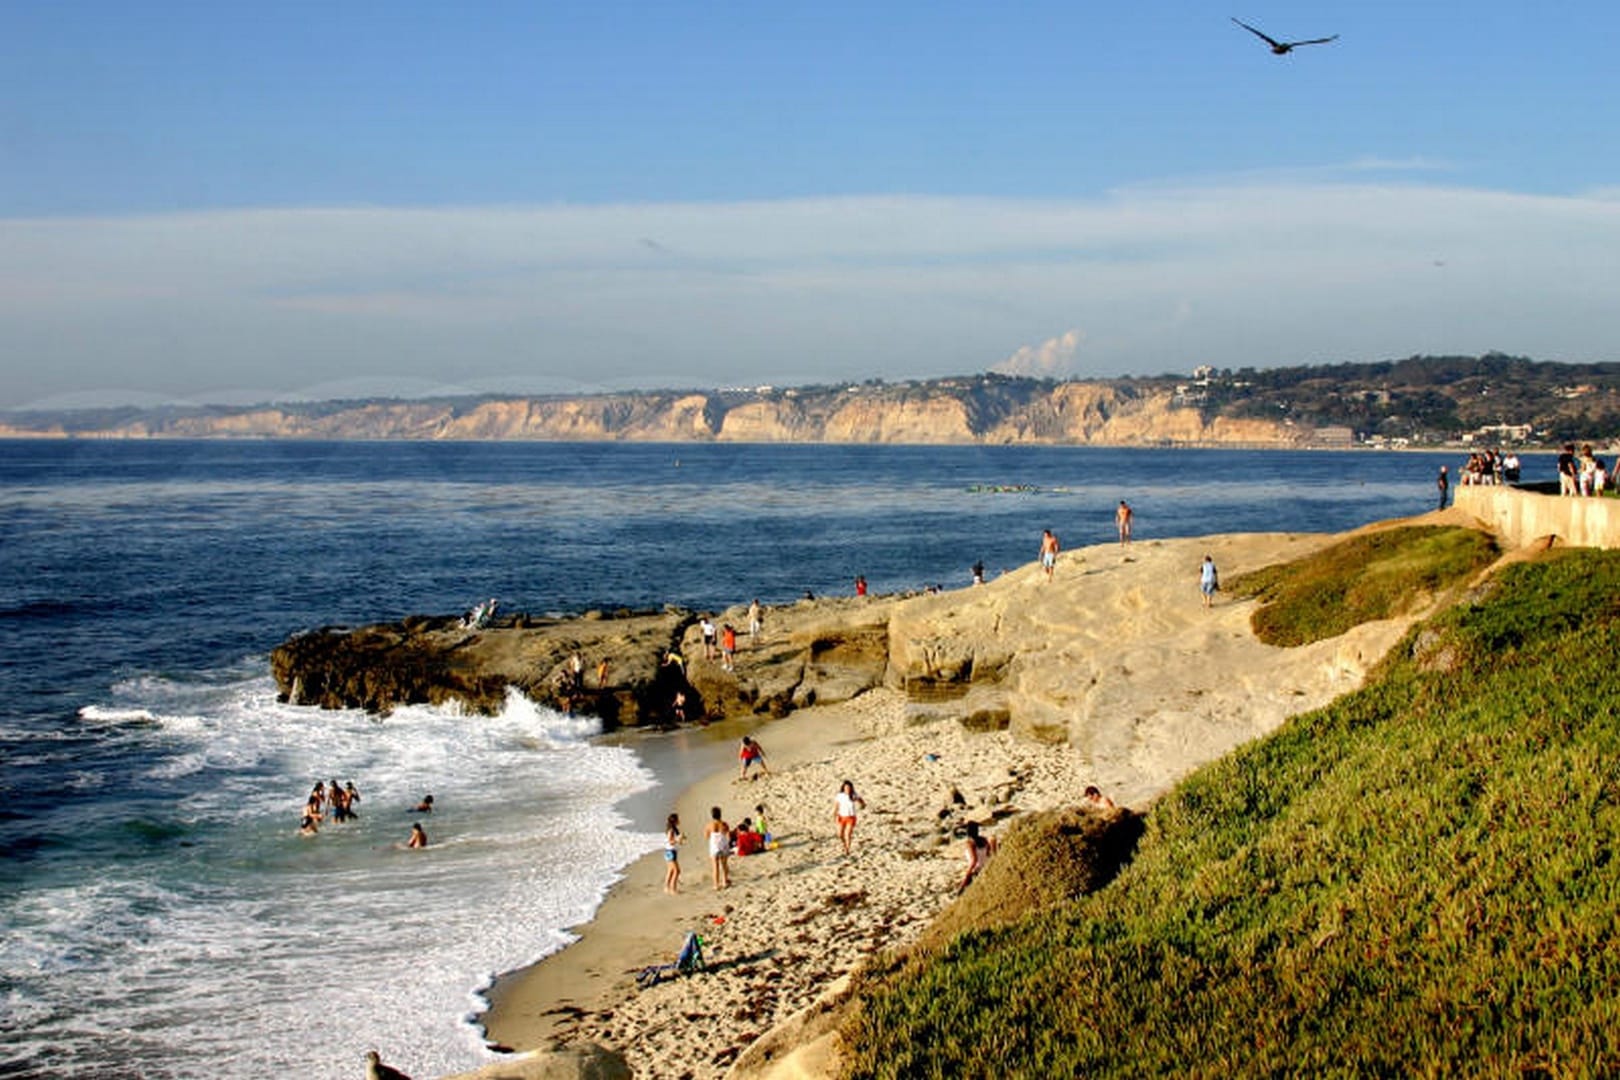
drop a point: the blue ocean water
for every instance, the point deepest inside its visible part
(158, 916)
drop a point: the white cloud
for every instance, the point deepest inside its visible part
(1052, 358)
(1236, 273)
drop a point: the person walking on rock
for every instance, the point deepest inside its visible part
(1208, 580)
(1049, 551)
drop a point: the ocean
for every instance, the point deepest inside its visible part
(159, 916)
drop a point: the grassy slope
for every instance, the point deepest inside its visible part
(1416, 879)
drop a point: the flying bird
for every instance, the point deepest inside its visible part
(1282, 48)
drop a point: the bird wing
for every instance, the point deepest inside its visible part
(1314, 41)
(1263, 37)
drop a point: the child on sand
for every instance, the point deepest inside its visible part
(847, 801)
(719, 848)
(750, 754)
(673, 838)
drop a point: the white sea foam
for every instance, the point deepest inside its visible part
(242, 949)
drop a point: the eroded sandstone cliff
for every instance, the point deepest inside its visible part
(980, 410)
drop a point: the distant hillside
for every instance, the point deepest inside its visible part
(1420, 400)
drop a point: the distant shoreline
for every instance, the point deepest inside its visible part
(1268, 447)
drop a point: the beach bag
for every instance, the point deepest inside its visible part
(688, 961)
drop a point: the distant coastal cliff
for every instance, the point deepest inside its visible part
(1423, 400)
(985, 410)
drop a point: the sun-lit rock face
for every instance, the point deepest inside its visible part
(769, 421)
(908, 420)
(975, 410)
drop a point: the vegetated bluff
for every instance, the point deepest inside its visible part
(1422, 398)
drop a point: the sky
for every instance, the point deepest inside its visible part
(244, 202)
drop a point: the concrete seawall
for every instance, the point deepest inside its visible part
(1526, 517)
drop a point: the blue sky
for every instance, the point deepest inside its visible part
(239, 202)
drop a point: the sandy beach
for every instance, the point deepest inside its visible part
(1153, 683)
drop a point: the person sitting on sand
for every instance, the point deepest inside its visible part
(750, 754)
(748, 840)
(1095, 799)
(418, 837)
(673, 838)
(719, 834)
(308, 827)
(423, 807)
(979, 850)
(846, 803)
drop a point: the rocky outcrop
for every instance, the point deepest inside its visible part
(1116, 655)
(823, 651)
(438, 661)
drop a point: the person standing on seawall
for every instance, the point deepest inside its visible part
(1566, 470)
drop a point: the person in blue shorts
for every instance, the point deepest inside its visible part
(673, 838)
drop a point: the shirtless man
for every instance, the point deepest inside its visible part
(1122, 519)
(1049, 551)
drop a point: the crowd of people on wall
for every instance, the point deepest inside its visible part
(1487, 467)
(1581, 472)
